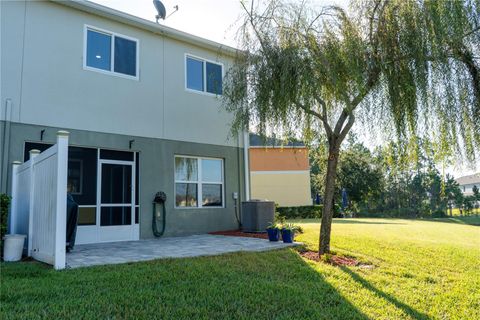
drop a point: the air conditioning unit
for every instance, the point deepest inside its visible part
(257, 215)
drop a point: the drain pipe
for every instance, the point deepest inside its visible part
(246, 148)
(5, 147)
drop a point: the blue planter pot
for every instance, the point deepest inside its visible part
(273, 234)
(288, 236)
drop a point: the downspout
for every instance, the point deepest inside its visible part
(7, 117)
(246, 147)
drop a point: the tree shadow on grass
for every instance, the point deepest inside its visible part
(469, 220)
(400, 305)
(361, 221)
(345, 221)
(311, 286)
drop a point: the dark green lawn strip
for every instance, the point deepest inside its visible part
(473, 220)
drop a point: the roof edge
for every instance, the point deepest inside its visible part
(257, 140)
(278, 147)
(119, 16)
(469, 179)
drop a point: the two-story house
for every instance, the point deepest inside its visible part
(142, 103)
(467, 183)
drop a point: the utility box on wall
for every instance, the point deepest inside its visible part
(257, 215)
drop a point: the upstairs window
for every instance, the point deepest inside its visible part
(203, 75)
(108, 52)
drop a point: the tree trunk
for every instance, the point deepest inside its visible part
(328, 199)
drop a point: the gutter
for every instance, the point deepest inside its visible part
(140, 23)
(278, 147)
(5, 145)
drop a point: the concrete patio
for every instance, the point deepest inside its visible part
(176, 247)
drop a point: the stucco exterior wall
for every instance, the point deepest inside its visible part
(156, 173)
(278, 159)
(287, 189)
(281, 175)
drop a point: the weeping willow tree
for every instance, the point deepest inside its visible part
(407, 68)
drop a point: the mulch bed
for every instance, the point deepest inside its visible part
(334, 260)
(238, 233)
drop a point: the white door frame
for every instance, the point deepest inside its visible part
(116, 233)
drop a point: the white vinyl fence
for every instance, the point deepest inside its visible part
(39, 202)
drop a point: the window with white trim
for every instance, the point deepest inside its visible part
(198, 182)
(204, 76)
(111, 53)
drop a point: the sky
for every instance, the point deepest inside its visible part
(217, 20)
(210, 19)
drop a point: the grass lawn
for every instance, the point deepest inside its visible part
(423, 270)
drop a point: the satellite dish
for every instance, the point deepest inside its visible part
(162, 12)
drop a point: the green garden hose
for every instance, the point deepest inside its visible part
(160, 198)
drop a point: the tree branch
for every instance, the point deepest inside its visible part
(372, 80)
(322, 104)
(346, 129)
(322, 117)
(323, 107)
(254, 26)
(340, 122)
(309, 111)
(466, 57)
(471, 32)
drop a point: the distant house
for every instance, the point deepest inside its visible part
(279, 172)
(468, 182)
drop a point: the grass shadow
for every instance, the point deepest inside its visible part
(470, 220)
(360, 221)
(400, 305)
(344, 221)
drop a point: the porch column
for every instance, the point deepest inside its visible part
(33, 154)
(61, 205)
(13, 208)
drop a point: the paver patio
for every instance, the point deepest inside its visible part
(175, 247)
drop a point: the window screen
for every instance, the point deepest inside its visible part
(125, 56)
(82, 175)
(194, 74)
(214, 78)
(99, 50)
(203, 75)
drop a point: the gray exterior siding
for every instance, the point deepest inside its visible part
(156, 173)
(43, 76)
(47, 87)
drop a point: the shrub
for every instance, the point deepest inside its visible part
(439, 214)
(273, 225)
(305, 212)
(407, 213)
(4, 204)
(279, 219)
